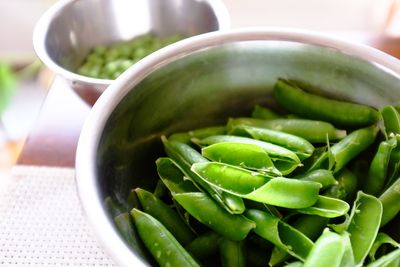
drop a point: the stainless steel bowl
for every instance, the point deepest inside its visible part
(68, 30)
(202, 81)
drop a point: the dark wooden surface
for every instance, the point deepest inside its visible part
(54, 137)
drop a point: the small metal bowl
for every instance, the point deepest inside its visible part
(70, 29)
(202, 81)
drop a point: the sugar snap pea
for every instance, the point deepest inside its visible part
(279, 191)
(248, 156)
(376, 178)
(328, 250)
(322, 176)
(166, 215)
(300, 146)
(316, 107)
(327, 207)
(387, 260)
(165, 249)
(391, 120)
(311, 130)
(232, 253)
(260, 112)
(132, 200)
(390, 202)
(204, 245)
(345, 188)
(381, 239)
(280, 233)
(206, 211)
(185, 137)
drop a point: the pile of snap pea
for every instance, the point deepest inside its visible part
(317, 187)
(108, 62)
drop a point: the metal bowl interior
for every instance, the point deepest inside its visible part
(203, 81)
(67, 31)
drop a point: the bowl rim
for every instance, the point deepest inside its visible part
(42, 26)
(91, 133)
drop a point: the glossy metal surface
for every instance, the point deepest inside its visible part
(69, 29)
(202, 81)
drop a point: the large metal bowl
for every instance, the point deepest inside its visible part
(68, 30)
(202, 81)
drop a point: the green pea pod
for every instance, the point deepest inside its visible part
(364, 222)
(132, 200)
(324, 177)
(279, 191)
(160, 190)
(284, 159)
(204, 245)
(352, 145)
(256, 256)
(173, 177)
(328, 250)
(311, 130)
(209, 213)
(165, 249)
(280, 233)
(294, 264)
(166, 215)
(185, 156)
(300, 146)
(391, 120)
(310, 225)
(327, 207)
(346, 187)
(317, 107)
(125, 227)
(200, 133)
(348, 256)
(386, 260)
(244, 155)
(380, 240)
(232, 253)
(260, 112)
(390, 202)
(377, 173)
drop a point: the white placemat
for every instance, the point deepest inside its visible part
(42, 222)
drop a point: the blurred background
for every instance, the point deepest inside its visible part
(24, 81)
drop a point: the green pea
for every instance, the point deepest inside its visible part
(324, 177)
(328, 250)
(390, 202)
(209, 213)
(311, 130)
(327, 207)
(280, 233)
(300, 146)
(204, 245)
(241, 154)
(166, 215)
(376, 178)
(260, 112)
(391, 119)
(320, 108)
(165, 249)
(279, 191)
(232, 253)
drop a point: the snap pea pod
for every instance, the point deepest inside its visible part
(209, 213)
(327, 207)
(294, 264)
(322, 176)
(279, 191)
(316, 107)
(346, 187)
(284, 159)
(185, 156)
(381, 239)
(166, 215)
(348, 255)
(390, 202)
(352, 145)
(161, 190)
(364, 222)
(173, 177)
(204, 245)
(165, 249)
(260, 112)
(244, 155)
(391, 120)
(300, 146)
(125, 227)
(311, 130)
(201, 133)
(133, 201)
(328, 250)
(280, 233)
(377, 173)
(232, 253)
(387, 260)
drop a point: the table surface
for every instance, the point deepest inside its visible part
(54, 137)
